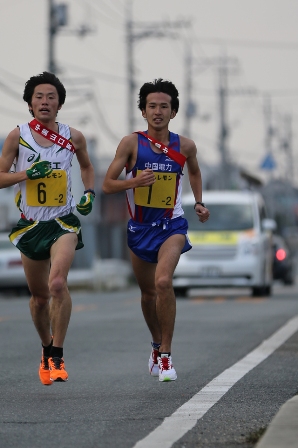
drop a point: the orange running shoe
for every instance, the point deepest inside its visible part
(44, 370)
(57, 369)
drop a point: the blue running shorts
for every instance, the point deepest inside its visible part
(145, 239)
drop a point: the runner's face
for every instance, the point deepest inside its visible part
(158, 110)
(45, 102)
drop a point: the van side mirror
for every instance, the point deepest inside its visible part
(269, 224)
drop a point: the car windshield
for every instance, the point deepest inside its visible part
(222, 217)
(6, 245)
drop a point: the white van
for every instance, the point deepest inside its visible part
(232, 249)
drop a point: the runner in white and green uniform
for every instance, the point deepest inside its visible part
(48, 232)
(46, 205)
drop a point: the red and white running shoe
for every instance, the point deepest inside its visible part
(153, 363)
(166, 369)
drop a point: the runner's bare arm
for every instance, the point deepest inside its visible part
(188, 148)
(86, 167)
(9, 153)
(125, 154)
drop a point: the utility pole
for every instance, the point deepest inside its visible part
(268, 162)
(268, 124)
(224, 66)
(223, 126)
(58, 19)
(190, 110)
(130, 67)
(135, 31)
(52, 32)
(286, 145)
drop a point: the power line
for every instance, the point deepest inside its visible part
(78, 102)
(106, 19)
(281, 93)
(11, 113)
(106, 128)
(111, 7)
(6, 89)
(12, 76)
(275, 45)
(58, 20)
(105, 76)
(136, 31)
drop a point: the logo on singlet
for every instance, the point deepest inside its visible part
(30, 158)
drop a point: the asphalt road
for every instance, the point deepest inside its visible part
(111, 401)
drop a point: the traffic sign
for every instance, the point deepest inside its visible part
(268, 163)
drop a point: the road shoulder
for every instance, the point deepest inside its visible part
(283, 430)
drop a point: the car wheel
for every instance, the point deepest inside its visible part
(180, 292)
(267, 291)
(23, 291)
(289, 279)
(261, 291)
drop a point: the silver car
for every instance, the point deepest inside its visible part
(232, 249)
(11, 268)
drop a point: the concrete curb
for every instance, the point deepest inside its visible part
(283, 430)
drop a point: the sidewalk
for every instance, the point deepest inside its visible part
(283, 430)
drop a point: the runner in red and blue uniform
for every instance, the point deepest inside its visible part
(166, 217)
(157, 230)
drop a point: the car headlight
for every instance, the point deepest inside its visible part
(250, 247)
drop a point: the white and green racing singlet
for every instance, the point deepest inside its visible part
(49, 197)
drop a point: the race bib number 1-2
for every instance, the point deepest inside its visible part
(159, 195)
(49, 191)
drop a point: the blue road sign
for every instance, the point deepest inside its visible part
(268, 163)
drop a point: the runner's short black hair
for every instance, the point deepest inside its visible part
(159, 85)
(43, 78)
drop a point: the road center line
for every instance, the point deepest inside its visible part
(186, 417)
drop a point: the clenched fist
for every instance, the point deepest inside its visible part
(145, 178)
(39, 169)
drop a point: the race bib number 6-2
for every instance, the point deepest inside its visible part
(161, 194)
(49, 191)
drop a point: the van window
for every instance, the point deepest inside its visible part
(222, 217)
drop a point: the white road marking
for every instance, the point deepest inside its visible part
(186, 417)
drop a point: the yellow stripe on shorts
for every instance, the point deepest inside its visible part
(16, 236)
(67, 227)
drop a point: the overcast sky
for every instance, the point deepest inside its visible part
(258, 39)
